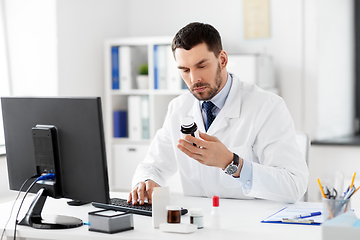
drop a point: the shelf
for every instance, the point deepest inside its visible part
(143, 109)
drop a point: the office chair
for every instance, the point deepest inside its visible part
(303, 141)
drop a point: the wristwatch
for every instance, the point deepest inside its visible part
(233, 167)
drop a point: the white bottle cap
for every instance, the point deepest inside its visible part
(196, 212)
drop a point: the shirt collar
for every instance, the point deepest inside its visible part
(219, 99)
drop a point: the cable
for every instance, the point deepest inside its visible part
(48, 176)
(12, 208)
(43, 177)
(27, 191)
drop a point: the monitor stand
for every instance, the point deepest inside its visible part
(34, 219)
(77, 203)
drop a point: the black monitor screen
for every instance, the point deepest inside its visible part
(82, 172)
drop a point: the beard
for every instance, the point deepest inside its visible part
(210, 91)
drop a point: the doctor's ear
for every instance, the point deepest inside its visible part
(223, 58)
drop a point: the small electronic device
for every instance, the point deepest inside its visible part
(108, 221)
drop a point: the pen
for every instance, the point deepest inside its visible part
(306, 221)
(349, 193)
(350, 197)
(354, 191)
(304, 215)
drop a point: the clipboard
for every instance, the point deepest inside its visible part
(294, 210)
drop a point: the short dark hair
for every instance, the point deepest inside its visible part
(196, 33)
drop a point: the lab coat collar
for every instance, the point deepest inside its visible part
(231, 109)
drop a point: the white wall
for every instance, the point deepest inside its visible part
(82, 27)
(56, 47)
(159, 17)
(78, 29)
(32, 46)
(329, 68)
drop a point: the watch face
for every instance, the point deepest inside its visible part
(231, 169)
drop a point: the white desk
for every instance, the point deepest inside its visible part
(240, 219)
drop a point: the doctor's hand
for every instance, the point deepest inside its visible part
(212, 152)
(141, 192)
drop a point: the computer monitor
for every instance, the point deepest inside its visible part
(63, 136)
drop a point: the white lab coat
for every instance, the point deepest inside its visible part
(254, 124)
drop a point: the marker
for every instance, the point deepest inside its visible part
(304, 216)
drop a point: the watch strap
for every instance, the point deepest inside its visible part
(235, 159)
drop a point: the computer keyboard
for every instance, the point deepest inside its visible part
(119, 204)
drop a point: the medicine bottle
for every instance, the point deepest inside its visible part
(215, 214)
(197, 217)
(189, 127)
(173, 214)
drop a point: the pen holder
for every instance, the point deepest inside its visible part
(335, 207)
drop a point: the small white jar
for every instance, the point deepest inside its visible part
(197, 217)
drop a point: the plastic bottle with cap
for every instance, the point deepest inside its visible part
(189, 127)
(215, 214)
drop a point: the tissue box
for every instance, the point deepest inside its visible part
(109, 221)
(345, 224)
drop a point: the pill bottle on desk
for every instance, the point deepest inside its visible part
(197, 217)
(173, 214)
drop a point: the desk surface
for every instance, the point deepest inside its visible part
(240, 218)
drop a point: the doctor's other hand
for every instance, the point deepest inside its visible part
(141, 192)
(211, 153)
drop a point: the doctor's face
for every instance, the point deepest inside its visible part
(204, 73)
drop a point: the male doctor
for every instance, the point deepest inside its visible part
(247, 137)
